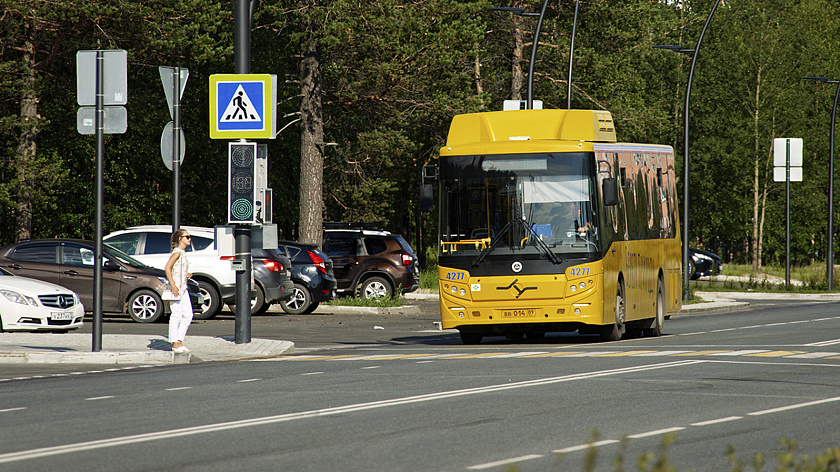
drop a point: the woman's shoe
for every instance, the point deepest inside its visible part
(180, 349)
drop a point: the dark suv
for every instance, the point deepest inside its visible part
(371, 264)
(312, 274)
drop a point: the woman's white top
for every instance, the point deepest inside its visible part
(180, 270)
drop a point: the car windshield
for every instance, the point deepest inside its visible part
(538, 205)
(122, 257)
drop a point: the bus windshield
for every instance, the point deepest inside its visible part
(530, 205)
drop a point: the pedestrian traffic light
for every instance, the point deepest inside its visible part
(241, 178)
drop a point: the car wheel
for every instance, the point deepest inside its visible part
(375, 287)
(212, 301)
(659, 318)
(258, 301)
(145, 306)
(692, 270)
(300, 301)
(312, 307)
(614, 331)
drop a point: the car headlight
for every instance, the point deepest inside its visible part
(163, 280)
(18, 298)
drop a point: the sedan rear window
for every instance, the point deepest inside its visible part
(43, 253)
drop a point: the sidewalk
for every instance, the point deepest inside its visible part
(75, 348)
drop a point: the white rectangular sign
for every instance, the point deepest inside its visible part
(780, 174)
(780, 152)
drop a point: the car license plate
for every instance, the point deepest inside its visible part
(524, 313)
(61, 315)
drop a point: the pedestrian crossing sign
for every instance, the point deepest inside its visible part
(243, 106)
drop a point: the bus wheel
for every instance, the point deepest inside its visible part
(614, 332)
(470, 338)
(659, 320)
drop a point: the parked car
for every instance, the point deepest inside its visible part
(702, 263)
(312, 275)
(32, 305)
(371, 264)
(151, 244)
(272, 280)
(128, 285)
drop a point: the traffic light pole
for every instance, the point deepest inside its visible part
(242, 233)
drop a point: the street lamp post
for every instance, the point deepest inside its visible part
(521, 12)
(572, 58)
(830, 255)
(694, 53)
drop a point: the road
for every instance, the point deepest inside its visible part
(353, 397)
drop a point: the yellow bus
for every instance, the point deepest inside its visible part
(547, 224)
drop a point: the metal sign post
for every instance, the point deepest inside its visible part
(787, 159)
(107, 87)
(174, 82)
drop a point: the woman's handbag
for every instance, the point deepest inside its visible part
(168, 296)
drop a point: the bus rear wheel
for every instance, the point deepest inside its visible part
(615, 331)
(659, 319)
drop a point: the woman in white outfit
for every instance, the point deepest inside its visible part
(177, 272)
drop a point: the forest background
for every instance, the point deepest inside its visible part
(367, 89)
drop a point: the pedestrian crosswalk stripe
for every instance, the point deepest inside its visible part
(537, 354)
(626, 353)
(775, 353)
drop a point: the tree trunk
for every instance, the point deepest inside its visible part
(26, 147)
(518, 46)
(311, 147)
(758, 202)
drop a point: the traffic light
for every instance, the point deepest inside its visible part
(241, 180)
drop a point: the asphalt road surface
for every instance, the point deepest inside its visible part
(369, 393)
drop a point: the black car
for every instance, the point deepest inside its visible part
(128, 285)
(702, 263)
(312, 274)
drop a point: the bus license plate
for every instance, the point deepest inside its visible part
(61, 316)
(524, 313)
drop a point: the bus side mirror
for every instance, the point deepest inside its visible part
(609, 191)
(427, 198)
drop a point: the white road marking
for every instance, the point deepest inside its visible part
(717, 421)
(584, 447)
(490, 465)
(658, 432)
(793, 407)
(103, 397)
(13, 409)
(174, 389)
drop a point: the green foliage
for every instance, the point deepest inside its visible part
(394, 72)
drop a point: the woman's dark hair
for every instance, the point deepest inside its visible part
(176, 236)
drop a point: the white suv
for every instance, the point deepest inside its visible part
(151, 245)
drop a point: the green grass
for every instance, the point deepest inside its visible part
(808, 279)
(382, 302)
(429, 279)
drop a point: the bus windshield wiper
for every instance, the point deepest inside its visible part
(554, 258)
(484, 252)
